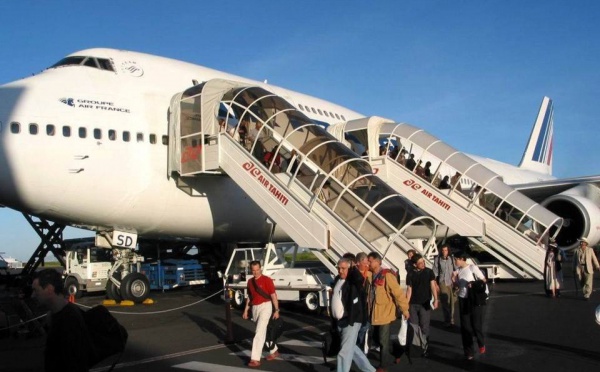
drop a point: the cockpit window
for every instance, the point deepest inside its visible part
(99, 63)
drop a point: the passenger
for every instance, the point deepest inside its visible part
(408, 264)
(382, 151)
(276, 168)
(454, 181)
(421, 287)
(362, 264)
(584, 263)
(222, 125)
(294, 161)
(443, 267)
(263, 298)
(243, 132)
(393, 152)
(384, 297)
(553, 270)
(257, 138)
(411, 163)
(68, 344)
(420, 171)
(427, 171)
(471, 316)
(347, 315)
(402, 158)
(444, 185)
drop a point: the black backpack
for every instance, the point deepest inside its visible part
(108, 336)
(274, 331)
(330, 343)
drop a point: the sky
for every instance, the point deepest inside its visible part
(472, 73)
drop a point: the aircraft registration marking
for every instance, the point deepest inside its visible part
(256, 173)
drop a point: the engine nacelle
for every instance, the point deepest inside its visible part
(580, 209)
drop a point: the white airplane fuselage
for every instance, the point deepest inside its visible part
(104, 183)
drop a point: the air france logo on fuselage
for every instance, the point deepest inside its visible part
(93, 104)
(68, 101)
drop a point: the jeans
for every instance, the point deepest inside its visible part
(420, 316)
(361, 340)
(381, 335)
(471, 324)
(349, 351)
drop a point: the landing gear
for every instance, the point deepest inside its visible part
(135, 287)
(112, 292)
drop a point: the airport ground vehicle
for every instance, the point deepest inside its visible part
(88, 269)
(294, 281)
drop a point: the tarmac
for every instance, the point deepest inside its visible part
(187, 329)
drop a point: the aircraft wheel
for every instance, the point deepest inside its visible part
(239, 298)
(312, 301)
(112, 292)
(135, 287)
(72, 287)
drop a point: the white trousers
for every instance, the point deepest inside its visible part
(261, 315)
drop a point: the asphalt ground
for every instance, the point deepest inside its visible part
(186, 329)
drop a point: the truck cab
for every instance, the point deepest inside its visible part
(86, 269)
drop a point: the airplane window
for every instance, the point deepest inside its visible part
(320, 112)
(140, 137)
(15, 128)
(112, 135)
(331, 114)
(326, 114)
(50, 129)
(301, 107)
(82, 132)
(343, 118)
(105, 64)
(165, 140)
(153, 139)
(90, 62)
(68, 61)
(126, 136)
(313, 110)
(337, 116)
(99, 63)
(97, 133)
(66, 131)
(33, 129)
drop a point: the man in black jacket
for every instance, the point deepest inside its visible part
(347, 314)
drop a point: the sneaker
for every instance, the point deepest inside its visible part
(482, 350)
(254, 364)
(272, 356)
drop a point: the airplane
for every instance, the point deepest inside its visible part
(84, 143)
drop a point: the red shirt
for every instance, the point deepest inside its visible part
(266, 284)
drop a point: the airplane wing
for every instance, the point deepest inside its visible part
(539, 191)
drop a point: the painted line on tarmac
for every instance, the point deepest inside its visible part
(209, 367)
(294, 358)
(189, 352)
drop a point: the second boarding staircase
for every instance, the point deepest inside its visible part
(320, 193)
(474, 203)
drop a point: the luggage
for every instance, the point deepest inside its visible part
(330, 344)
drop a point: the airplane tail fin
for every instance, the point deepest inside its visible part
(538, 153)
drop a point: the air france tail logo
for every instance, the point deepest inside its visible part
(68, 101)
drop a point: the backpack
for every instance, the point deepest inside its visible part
(274, 331)
(330, 343)
(108, 336)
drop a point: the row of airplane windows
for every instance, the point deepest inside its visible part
(326, 113)
(83, 133)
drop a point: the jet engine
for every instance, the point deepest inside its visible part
(580, 209)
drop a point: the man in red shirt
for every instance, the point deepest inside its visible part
(262, 297)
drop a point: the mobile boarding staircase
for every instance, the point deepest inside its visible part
(477, 204)
(320, 193)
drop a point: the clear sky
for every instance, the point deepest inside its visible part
(470, 72)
